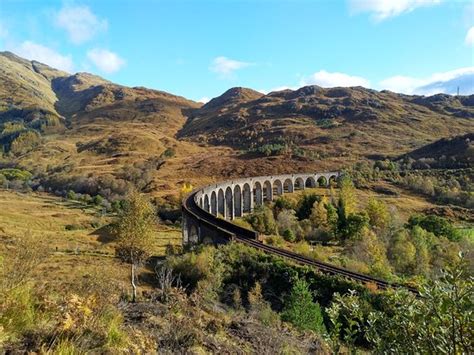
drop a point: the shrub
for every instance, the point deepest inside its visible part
(289, 235)
(275, 240)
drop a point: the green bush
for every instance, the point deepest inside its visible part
(289, 235)
(16, 174)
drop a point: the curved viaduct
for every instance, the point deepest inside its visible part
(234, 198)
(207, 213)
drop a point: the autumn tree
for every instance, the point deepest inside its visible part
(377, 211)
(319, 214)
(347, 195)
(134, 231)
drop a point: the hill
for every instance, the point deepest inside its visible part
(456, 152)
(88, 134)
(332, 122)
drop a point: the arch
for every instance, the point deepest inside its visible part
(322, 181)
(193, 234)
(277, 188)
(201, 203)
(288, 186)
(257, 194)
(229, 203)
(220, 203)
(267, 191)
(206, 203)
(213, 203)
(310, 182)
(299, 183)
(246, 199)
(237, 201)
(332, 181)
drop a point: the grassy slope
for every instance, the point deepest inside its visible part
(74, 253)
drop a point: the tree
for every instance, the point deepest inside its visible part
(347, 195)
(262, 220)
(352, 226)
(439, 322)
(378, 213)
(319, 214)
(134, 231)
(301, 310)
(305, 206)
(439, 226)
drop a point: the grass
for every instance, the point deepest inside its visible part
(74, 254)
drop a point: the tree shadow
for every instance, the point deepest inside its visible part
(147, 275)
(104, 234)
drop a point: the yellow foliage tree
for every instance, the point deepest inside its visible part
(134, 231)
(347, 195)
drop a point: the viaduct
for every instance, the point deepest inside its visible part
(208, 212)
(229, 199)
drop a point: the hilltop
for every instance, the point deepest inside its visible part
(338, 121)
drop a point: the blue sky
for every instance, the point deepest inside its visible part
(199, 49)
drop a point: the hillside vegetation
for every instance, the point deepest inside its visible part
(354, 122)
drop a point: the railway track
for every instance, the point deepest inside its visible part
(249, 238)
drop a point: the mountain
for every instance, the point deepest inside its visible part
(86, 133)
(65, 126)
(333, 121)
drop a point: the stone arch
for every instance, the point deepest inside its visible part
(288, 186)
(237, 201)
(206, 203)
(299, 183)
(322, 181)
(229, 203)
(214, 203)
(332, 181)
(221, 203)
(193, 234)
(257, 193)
(310, 182)
(277, 188)
(267, 191)
(246, 199)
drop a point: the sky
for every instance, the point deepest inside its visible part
(199, 49)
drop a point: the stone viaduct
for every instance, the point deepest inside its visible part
(213, 206)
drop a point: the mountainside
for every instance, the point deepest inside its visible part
(332, 121)
(85, 133)
(456, 152)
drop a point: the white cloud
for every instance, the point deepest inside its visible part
(470, 37)
(204, 100)
(327, 79)
(445, 82)
(105, 60)
(383, 9)
(40, 53)
(226, 67)
(80, 23)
